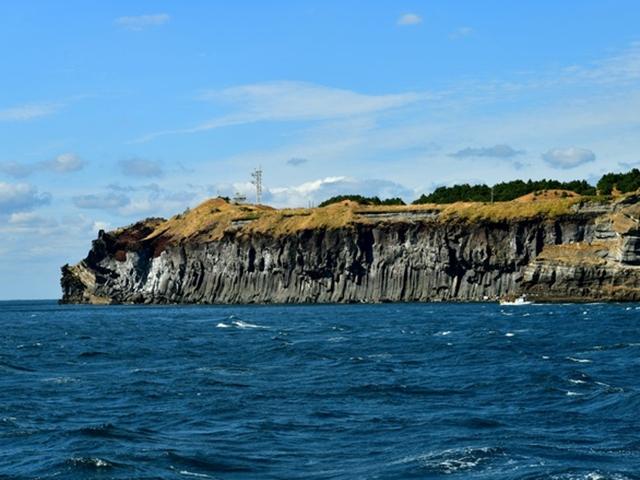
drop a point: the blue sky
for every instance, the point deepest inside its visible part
(115, 111)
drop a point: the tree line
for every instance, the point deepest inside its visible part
(363, 200)
(505, 191)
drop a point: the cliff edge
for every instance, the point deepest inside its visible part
(550, 247)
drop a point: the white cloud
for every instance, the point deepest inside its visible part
(409, 19)
(31, 219)
(163, 203)
(133, 202)
(566, 158)
(28, 111)
(20, 197)
(64, 163)
(142, 22)
(27, 237)
(67, 162)
(316, 191)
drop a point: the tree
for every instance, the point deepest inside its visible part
(502, 192)
(363, 200)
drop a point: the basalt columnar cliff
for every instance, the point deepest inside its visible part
(551, 247)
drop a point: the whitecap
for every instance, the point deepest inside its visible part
(59, 380)
(223, 325)
(610, 387)
(444, 333)
(243, 325)
(90, 461)
(509, 334)
(579, 360)
(573, 394)
(194, 474)
(452, 460)
(336, 339)
(577, 382)
(380, 355)
(590, 476)
(545, 357)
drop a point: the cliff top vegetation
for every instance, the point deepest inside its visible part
(216, 217)
(610, 183)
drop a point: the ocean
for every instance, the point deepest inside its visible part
(393, 391)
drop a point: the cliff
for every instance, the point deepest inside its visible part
(553, 248)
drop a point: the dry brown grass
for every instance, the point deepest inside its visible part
(207, 221)
(500, 211)
(283, 222)
(622, 223)
(578, 253)
(211, 219)
(552, 194)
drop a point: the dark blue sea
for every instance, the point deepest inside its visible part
(462, 391)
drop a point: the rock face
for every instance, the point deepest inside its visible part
(589, 254)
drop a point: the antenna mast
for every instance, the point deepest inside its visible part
(257, 181)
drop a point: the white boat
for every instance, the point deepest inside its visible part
(516, 302)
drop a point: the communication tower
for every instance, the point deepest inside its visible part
(257, 182)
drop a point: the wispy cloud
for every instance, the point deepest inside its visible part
(621, 68)
(292, 101)
(409, 19)
(497, 151)
(142, 22)
(300, 101)
(64, 163)
(29, 111)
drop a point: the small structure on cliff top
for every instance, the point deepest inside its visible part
(239, 199)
